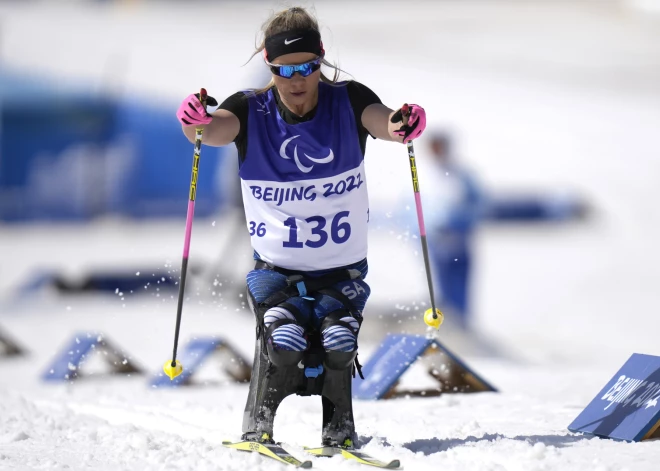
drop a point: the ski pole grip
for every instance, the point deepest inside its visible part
(405, 113)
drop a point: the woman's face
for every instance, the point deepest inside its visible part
(297, 90)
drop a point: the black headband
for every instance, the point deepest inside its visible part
(300, 40)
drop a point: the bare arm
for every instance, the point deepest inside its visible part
(221, 131)
(376, 118)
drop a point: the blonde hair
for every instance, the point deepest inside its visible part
(287, 20)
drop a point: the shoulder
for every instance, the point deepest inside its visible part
(360, 94)
(357, 88)
(235, 102)
(242, 95)
(360, 97)
(240, 102)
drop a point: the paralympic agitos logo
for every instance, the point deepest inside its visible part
(301, 167)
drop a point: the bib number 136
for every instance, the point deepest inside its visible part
(340, 231)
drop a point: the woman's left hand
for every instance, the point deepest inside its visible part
(413, 122)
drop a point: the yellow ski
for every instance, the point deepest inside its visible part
(270, 450)
(353, 455)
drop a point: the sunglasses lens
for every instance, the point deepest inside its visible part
(314, 66)
(287, 71)
(304, 69)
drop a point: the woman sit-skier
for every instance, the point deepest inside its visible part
(301, 142)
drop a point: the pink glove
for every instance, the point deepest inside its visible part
(192, 112)
(414, 125)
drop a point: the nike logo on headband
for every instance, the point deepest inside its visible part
(287, 42)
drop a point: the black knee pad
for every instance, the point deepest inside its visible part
(283, 358)
(277, 356)
(335, 360)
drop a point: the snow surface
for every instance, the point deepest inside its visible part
(543, 95)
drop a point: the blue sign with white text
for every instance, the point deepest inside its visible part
(627, 407)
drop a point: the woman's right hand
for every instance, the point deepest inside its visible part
(193, 113)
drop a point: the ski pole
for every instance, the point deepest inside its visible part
(173, 367)
(433, 317)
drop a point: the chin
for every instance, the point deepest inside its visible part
(298, 98)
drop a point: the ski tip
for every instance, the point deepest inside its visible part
(305, 464)
(394, 464)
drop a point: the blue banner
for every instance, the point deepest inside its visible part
(75, 156)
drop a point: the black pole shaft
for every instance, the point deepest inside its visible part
(179, 307)
(429, 279)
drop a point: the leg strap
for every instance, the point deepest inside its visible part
(304, 286)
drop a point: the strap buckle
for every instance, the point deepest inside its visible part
(313, 371)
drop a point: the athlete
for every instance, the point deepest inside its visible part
(301, 142)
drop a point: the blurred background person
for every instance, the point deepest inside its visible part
(457, 203)
(453, 204)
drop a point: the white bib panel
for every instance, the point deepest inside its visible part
(309, 224)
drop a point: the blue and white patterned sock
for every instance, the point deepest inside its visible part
(340, 338)
(286, 336)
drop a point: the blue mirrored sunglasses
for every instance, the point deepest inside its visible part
(305, 69)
